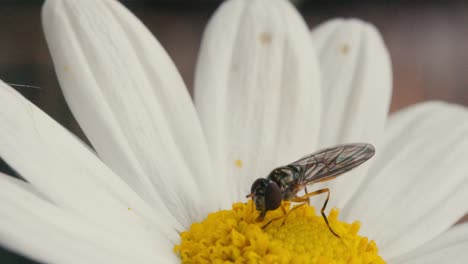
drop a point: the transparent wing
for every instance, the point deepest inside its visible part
(331, 162)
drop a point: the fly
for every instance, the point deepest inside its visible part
(284, 183)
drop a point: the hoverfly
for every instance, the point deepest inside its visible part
(284, 183)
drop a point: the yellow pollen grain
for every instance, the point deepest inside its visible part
(233, 236)
(238, 163)
(129, 209)
(66, 68)
(265, 37)
(345, 49)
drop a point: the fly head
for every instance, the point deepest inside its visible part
(266, 195)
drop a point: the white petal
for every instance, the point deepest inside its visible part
(132, 104)
(70, 176)
(48, 233)
(418, 185)
(451, 247)
(357, 81)
(257, 89)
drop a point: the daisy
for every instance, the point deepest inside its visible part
(267, 91)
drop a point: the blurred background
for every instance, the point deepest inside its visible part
(427, 40)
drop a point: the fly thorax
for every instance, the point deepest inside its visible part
(284, 177)
(289, 194)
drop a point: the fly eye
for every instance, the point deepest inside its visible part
(273, 196)
(255, 185)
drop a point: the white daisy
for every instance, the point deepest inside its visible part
(267, 91)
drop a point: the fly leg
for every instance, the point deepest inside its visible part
(294, 208)
(305, 198)
(277, 218)
(306, 192)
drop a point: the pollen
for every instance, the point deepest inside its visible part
(265, 38)
(344, 48)
(238, 163)
(299, 236)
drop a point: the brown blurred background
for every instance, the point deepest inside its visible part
(427, 40)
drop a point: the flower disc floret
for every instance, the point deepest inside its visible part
(234, 236)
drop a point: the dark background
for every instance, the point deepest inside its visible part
(427, 40)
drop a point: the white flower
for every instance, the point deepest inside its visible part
(266, 91)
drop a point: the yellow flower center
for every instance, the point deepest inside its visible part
(233, 236)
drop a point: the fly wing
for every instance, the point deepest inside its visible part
(332, 162)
